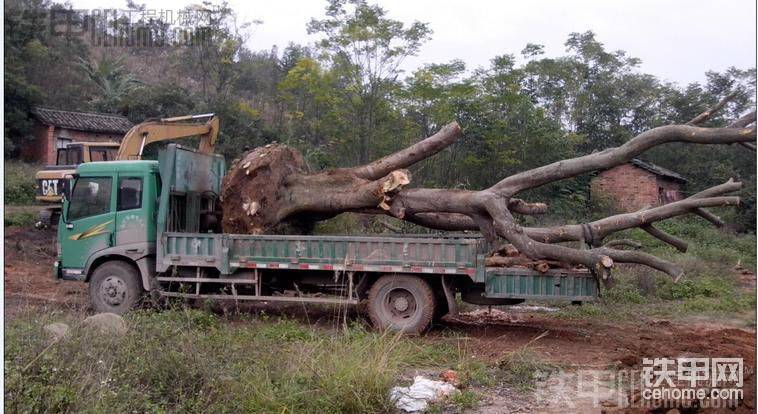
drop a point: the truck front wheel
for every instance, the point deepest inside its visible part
(401, 303)
(114, 287)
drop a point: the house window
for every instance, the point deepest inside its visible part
(62, 142)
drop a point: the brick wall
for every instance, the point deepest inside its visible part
(38, 149)
(81, 136)
(628, 187)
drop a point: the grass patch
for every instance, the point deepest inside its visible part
(20, 218)
(464, 400)
(522, 368)
(193, 361)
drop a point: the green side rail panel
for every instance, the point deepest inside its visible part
(522, 283)
(397, 254)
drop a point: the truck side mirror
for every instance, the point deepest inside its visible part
(64, 210)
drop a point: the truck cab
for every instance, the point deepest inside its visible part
(109, 216)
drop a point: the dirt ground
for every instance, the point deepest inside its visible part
(579, 349)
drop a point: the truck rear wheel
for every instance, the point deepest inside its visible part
(401, 303)
(115, 287)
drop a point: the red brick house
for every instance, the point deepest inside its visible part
(55, 129)
(637, 184)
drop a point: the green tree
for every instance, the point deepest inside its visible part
(365, 48)
(112, 79)
(39, 67)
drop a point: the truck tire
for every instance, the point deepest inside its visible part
(115, 287)
(401, 303)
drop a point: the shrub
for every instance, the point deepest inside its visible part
(19, 182)
(704, 287)
(623, 293)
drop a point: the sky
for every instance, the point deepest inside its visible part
(676, 40)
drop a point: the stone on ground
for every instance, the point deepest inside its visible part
(56, 331)
(106, 324)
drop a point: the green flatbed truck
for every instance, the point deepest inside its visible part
(133, 227)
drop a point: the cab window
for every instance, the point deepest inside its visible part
(74, 155)
(129, 193)
(91, 196)
(102, 153)
(62, 157)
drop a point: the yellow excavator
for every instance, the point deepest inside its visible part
(52, 183)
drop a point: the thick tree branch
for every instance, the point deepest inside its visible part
(710, 217)
(604, 227)
(727, 187)
(742, 122)
(626, 256)
(619, 155)
(712, 110)
(601, 228)
(623, 242)
(661, 235)
(411, 155)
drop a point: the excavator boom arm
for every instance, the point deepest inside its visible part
(141, 135)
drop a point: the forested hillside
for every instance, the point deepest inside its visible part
(343, 99)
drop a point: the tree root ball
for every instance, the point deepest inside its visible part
(253, 193)
(271, 190)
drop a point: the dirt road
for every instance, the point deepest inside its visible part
(574, 346)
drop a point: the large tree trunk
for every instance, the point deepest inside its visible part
(271, 187)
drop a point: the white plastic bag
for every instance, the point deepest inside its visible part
(418, 396)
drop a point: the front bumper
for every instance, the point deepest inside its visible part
(67, 274)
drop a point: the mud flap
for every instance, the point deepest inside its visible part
(447, 287)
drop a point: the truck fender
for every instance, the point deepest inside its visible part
(146, 266)
(142, 255)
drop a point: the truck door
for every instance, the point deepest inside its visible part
(90, 220)
(131, 219)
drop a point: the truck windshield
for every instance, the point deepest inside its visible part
(91, 196)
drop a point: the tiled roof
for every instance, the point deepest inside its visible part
(83, 121)
(657, 170)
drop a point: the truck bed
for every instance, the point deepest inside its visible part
(449, 254)
(180, 244)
